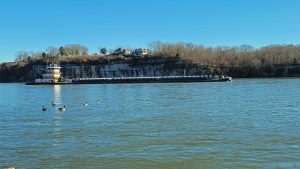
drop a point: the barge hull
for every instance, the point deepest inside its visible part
(137, 80)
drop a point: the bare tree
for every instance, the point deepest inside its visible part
(76, 49)
(37, 55)
(22, 56)
(53, 52)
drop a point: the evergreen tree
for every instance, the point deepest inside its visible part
(103, 51)
(62, 51)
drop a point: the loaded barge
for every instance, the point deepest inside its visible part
(53, 77)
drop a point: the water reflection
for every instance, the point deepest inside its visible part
(57, 130)
(57, 94)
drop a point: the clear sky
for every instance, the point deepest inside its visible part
(34, 25)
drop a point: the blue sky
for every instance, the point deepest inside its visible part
(34, 25)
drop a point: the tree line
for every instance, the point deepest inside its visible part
(222, 56)
(53, 52)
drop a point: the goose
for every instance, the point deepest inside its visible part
(86, 103)
(62, 108)
(98, 101)
(45, 108)
(54, 104)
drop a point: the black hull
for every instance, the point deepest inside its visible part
(33, 83)
(164, 80)
(138, 80)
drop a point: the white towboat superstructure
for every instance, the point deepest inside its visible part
(52, 75)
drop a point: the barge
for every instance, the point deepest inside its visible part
(157, 79)
(53, 77)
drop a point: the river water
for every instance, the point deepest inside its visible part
(247, 123)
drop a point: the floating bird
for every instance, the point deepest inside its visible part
(54, 104)
(86, 103)
(98, 101)
(45, 108)
(62, 108)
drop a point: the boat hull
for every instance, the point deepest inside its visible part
(176, 79)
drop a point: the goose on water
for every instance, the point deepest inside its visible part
(62, 108)
(98, 101)
(86, 103)
(54, 104)
(45, 108)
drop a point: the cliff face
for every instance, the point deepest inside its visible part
(118, 70)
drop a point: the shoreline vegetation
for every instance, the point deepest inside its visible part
(242, 61)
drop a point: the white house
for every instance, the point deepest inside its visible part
(141, 51)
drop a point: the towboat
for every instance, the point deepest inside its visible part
(51, 76)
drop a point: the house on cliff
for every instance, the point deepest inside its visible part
(141, 52)
(121, 51)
